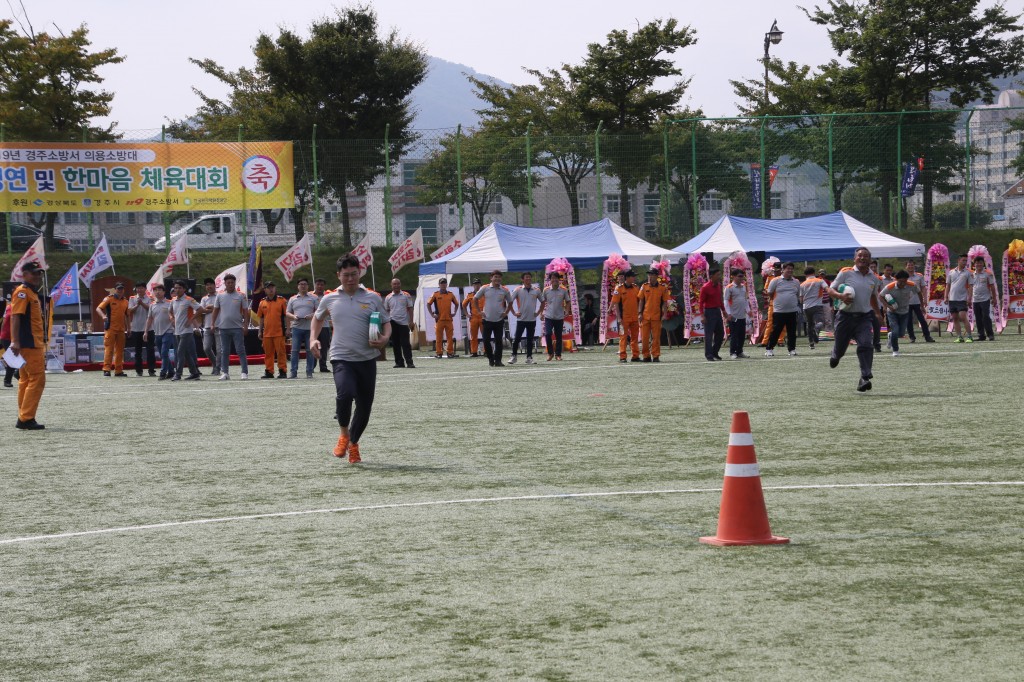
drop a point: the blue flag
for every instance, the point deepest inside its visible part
(755, 185)
(911, 176)
(66, 290)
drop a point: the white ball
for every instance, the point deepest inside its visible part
(846, 289)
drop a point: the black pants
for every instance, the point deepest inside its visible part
(737, 330)
(876, 332)
(714, 332)
(325, 346)
(917, 312)
(140, 340)
(9, 371)
(858, 327)
(400, 344)
(812, 316)
(553, 336)
(983, 319)
(493, 330)
(354, 381)
(780, 320)
(528, 328)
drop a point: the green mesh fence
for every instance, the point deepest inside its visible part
(665, 185)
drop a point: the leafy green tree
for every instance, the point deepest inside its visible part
(615, 86)
(951, 216)
(551, 113)
(346, 79)
(491, 168)
(47, 93)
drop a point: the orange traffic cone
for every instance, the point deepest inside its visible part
(743, 518)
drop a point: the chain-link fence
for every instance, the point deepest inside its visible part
(665, 185)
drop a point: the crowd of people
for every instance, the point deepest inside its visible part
(333, 325)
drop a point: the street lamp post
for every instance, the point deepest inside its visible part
(772, 37)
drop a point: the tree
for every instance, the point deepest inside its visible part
(491, 168)
(615, 87)
(903, 52)
(550, 110)
(46, 93)
(345, 79)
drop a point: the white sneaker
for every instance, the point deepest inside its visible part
(529, 361)
(769, 354)
(224, 377)
(895, 353)
(244, 376)
(792, 352)
(512, 360)
(734, 357)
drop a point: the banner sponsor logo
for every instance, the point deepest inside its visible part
(153, 176)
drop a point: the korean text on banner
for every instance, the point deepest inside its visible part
(451, 245)
(294, 258)
(37, 253)
(364, 254)
(178, 253)
(155, 176)
(241, 279)
(409, 251)
(100, 261)
(65, 292)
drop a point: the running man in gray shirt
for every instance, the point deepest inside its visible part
(855, 322)
(353, 354)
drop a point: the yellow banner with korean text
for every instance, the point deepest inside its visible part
(153, 176)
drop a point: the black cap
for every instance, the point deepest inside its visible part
(32, 266)
(268, 284)
(630, 273)
(476, 280)
(119, 285)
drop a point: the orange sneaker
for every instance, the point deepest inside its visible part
(353, 454)
(341, 447)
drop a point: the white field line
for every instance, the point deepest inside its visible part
(256, 384)
(482, 500)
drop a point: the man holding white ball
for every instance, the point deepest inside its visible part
(857, 289)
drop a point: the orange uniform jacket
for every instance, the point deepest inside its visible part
(654, 298)
(26, 302)
(272, 313)
(441, 303)
(469, 304)
(117, 311)
(628, 300)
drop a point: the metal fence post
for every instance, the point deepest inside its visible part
(693, 178)
(85, 135)
(245, 214)
(389, 238)
(529, 178)
(764, 171)
(166, 218)
(316, 187)
(899, 172)
(458, 174)
(831, 167)
(7, 215)
(597, 170)
(666, 193)
(967, 172)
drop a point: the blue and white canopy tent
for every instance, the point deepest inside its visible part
(834, 236)
(511, 248)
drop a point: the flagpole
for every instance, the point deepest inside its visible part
(373, 277)
(78, 293)
(109, 255)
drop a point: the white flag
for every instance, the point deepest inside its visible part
(241, 278)
(364, 254)
(158, 278)
(294, 258)
(178, 254)
(454, 243)
(409, 251)
(100, 261)
(37, 253)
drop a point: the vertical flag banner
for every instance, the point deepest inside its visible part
(100, 261)
(157, 278)
(294, 258)
(240, 272)
(454, 243)
(65, 292)
(149, 176)
(364, 254)
(178, 254)
(36, 252)
(755, 185)
(409, 251)
(911, 174)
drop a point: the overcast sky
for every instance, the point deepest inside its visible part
(495, 38)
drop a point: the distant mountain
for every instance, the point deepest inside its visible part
(445, 98)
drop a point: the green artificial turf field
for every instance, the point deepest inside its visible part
(522, 523)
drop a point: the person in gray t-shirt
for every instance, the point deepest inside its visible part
(896, 297)
(983, 292)
(161, 323)
(138, 311)
(184, 309)
(554, 301)
(958, 297)
(785, 293)
(917, 303)
(210, 344)
(300, 311)
(494, 301)
(353, 352)
(231, 322)
(525, 304)
(855, 322)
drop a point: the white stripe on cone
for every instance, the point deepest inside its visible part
(741, 439)
(742, 470)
